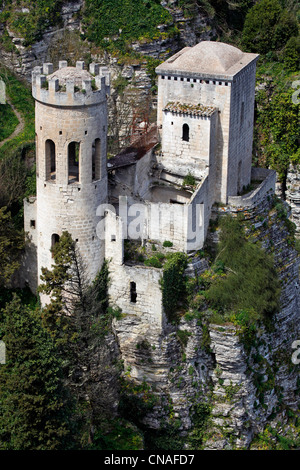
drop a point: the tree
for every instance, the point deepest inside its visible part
(78, 319)
(291, 54)
(11, 247)
(64, 285)
(229, 13)
(35, 409)
(277, 126)
(268, 27)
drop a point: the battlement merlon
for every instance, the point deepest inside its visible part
(70, 86)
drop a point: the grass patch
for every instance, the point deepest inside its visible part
(8, 121)
(20, 95)
(132, 20)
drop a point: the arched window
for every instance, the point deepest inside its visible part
(50, 160)
(96, 160)
(73, 161)
(54, 241)
(185, 132)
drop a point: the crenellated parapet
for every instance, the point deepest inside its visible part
(70, 86)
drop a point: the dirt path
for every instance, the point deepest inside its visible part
(19, 127)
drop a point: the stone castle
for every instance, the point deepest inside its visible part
(205, 114)
(193, 165)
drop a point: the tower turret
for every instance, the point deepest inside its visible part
(71, 135)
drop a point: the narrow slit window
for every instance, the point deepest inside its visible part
(133, 294)
(185, 133)
(96, 160)
(73, 161)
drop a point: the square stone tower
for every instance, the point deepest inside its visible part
(205, 115)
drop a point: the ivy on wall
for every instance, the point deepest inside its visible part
(173, 284)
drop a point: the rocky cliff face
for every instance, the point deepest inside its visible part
(244, 384)
(132, 101)
(23, 59)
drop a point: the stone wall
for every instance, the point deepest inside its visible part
(266, 187)
(240, 136)
(27, 274)
(247, 386)
(193, 156)
(70, 208)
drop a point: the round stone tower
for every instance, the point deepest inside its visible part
(71, 133)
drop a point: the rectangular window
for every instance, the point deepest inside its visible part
(133, 294)
(73, 161)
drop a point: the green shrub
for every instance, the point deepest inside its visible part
(189, 180)
(251, 281)
(291, 54)
(167, 243)
(119, 84)
(200, 415)
(33, 23)
(268, 27)
(117, 434)
(183, 336)
(153, 261)
(173, 283)
(122, 21)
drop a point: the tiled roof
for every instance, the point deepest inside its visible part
(194, 109)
